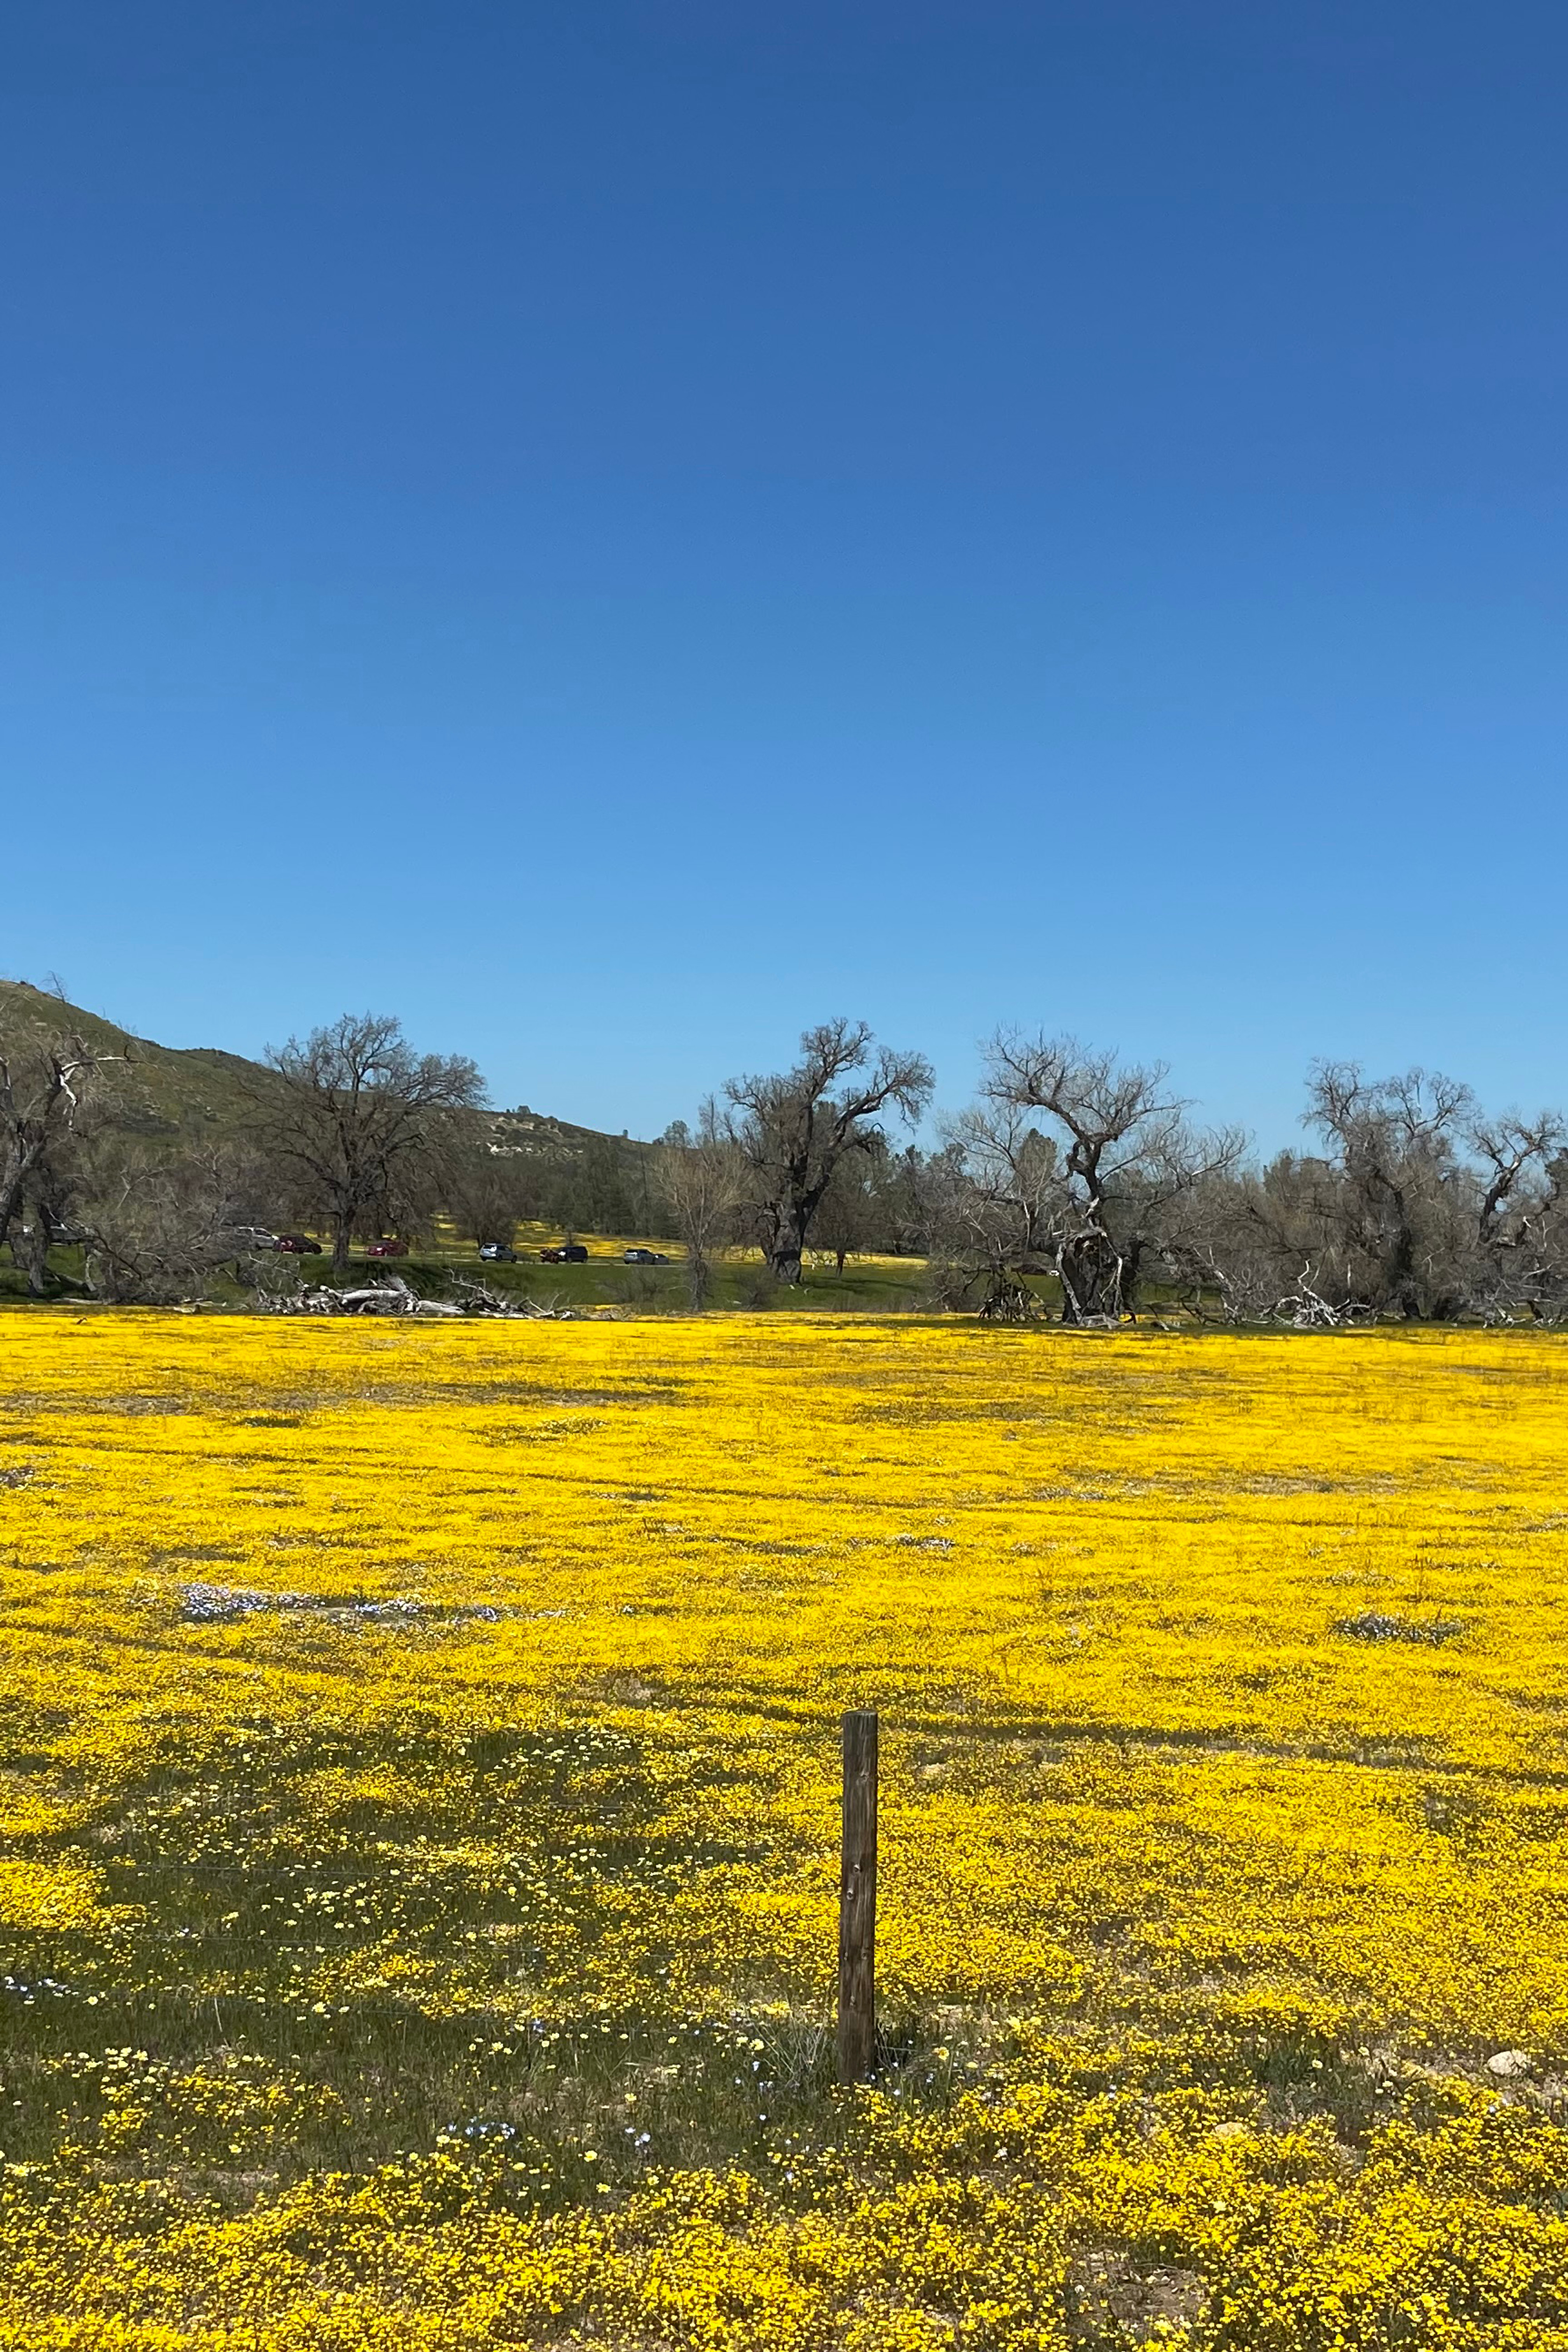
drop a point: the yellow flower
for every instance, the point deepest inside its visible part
(419, 1753)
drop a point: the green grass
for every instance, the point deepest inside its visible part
(868, 1285)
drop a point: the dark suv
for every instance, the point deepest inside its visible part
(569, 1254)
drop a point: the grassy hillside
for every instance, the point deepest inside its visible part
(171, 1087)
(201, 1088)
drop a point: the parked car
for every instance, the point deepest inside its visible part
(645, 1257)
(498, 1254)
(393, 1248)
(250, 1237)
(297, 1245)
(569, 1254)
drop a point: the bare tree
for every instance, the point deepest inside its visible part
(1521, 1244)
(1418, 1205)
(1257, 1245)
(793, 1129)
(48, 1077)
(488, 1187)
(1401, 1212)
(1126, 1157)
(848, 1215)
(161, 1221)
(702, 1179)
(995, 1198)
(358, 1118)
(1516, 1155)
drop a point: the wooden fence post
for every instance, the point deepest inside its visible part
(857, 2045)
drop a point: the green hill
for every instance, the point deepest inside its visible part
(170, 1088)
(199, 1090)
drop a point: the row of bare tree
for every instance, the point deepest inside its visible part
(1075, 1185)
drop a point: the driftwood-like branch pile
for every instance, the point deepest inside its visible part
(393, 1296)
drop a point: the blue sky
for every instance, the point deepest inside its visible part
(614, 533)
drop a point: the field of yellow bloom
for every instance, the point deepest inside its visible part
(418, 1780)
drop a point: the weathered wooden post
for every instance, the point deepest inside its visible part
(856, 2047)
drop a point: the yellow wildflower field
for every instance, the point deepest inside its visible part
(418, 1783)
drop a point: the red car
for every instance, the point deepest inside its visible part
(387, 1249)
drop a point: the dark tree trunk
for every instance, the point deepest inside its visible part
(342, 1232)
(1400, 1275)
(30, 1252)
(786, 1238)
(1131, 1258)
(1090, 1269)
(15, 1186)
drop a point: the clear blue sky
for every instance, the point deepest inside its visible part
(617, 530)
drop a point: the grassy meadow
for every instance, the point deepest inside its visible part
(418, 1794)
(870, 1283)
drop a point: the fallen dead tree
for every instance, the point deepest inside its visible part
(478, 1298)
(1305, 1308)
(394, 1296)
